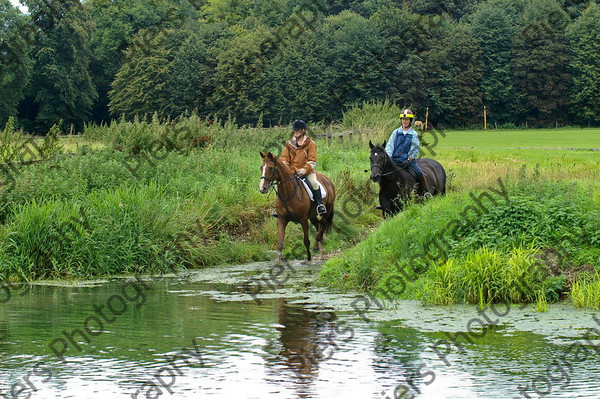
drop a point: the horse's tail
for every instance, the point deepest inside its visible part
(443, 180)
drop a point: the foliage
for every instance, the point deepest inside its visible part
(484, 276)
(586, 292)
(10, 141)
(15, 62)
(140, 86)
(494, 26)
(62, 85)
(275, 61)
(153, 136)
(541, 57)
(193, 208)
(584, 39)
(51, 146)
(540, 214)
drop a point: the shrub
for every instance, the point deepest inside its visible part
(586, 292)
(485, 276)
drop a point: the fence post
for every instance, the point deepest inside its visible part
(485, 118)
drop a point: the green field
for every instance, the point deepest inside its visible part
(532, 138)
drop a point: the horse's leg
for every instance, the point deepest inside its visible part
(316, 223)
(320, 227)
(307, 240)
(281, 225)
(319, 238)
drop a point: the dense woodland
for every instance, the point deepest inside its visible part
(267, 62)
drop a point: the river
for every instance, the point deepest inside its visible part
(200, 334)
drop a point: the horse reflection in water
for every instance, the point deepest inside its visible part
(306, 338)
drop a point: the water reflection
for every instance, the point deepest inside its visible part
(283, 348)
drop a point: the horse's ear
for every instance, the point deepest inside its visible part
(271, 156)
(384, 143)
(371, 144)
(263, 155)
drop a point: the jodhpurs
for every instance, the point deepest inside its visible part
(312, 179)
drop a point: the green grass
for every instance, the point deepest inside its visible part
(586, 292)
(196, 207)
(553, 193)
(536, 138)
(485, 276)
(200, 206)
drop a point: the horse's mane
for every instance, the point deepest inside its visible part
(283, 167)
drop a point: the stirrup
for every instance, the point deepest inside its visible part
(274, 214)
(321, 209)
(427, 194)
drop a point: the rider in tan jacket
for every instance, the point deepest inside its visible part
(300, 154)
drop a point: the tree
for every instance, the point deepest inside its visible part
(454, 76)
(453, 8)
(240, 75)
(191, 79)
(15, 63)
(584, 43)
(123, 24)
(408, 37)
(493, 25)
(140, 86)
(351, 47)
(229, 11)
(540, 61)
(61, 87)
(295, 88)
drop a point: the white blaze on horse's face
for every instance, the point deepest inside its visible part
(261, 188)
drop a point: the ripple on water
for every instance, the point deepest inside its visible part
(269, 350)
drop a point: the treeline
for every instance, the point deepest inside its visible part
(269, 62)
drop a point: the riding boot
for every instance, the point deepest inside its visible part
(319, 201)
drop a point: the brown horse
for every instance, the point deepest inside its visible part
(293, 203)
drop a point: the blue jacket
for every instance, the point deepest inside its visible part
(402, 146)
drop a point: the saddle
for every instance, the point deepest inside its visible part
(412, 172)
(309, 189)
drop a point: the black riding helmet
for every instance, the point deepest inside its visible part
(298, 124)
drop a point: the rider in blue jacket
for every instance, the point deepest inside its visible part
(403, 147)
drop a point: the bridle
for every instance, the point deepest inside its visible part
(382, 168)
(274, 182)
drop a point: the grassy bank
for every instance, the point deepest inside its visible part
(456, 249)
(117, 207)
(123, 204)
(542, 245)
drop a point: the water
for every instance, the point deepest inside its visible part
(204, 336)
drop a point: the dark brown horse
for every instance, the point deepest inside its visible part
(397, 183)
(293, 203)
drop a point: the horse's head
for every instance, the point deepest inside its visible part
(378, 160)
(269, 171)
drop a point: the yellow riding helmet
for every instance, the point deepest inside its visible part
(407, 113)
